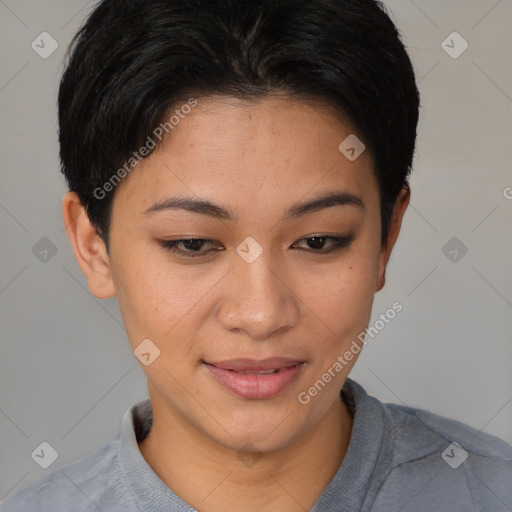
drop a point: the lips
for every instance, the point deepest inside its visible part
(253, 366)
(254, 379)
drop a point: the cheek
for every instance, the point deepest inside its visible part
(348, 281)
(149, 298)
(341, 299)
(160, 299)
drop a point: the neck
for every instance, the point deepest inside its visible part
(291, 479)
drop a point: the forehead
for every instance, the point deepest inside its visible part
(251, 154)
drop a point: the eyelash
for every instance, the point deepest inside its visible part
(337, 244)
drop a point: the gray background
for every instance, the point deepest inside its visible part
(67, 373)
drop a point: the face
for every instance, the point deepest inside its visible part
(275, 284)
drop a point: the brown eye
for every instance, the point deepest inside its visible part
(317, 243)
(191, 247)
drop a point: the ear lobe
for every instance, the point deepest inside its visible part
(401, 204)
(89, 248)
(381, 280)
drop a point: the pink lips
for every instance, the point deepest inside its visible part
(253, 379)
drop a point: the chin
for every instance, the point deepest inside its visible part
(260, 432)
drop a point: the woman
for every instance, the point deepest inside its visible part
(238, 177)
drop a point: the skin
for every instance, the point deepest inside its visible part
(256, 158)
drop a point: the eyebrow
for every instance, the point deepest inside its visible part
(205, 207)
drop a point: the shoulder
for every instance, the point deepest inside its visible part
(420, 431)
(437, 460)
(88, 484)
(419, 461)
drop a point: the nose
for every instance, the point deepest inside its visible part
(259, 300)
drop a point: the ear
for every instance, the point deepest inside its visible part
(401, 204)
(89, 248)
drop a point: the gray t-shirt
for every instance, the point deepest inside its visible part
(398, 459)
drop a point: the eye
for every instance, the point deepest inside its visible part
(192, 247)
(317, 243)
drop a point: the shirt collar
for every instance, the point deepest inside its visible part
(347, 489)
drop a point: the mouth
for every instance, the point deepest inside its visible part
(255, 379)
